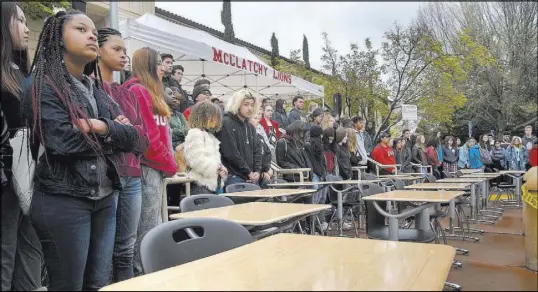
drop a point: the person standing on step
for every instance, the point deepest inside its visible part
(295, 113)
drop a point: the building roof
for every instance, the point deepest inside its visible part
(185, 21)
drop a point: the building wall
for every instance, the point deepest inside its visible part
(98, 12)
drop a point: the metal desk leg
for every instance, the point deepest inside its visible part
(393, 229)
(422, 219)
(164, 205)
(339, 213)
(452, 214)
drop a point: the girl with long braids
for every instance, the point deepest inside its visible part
(21, 250)
(112, 57)
(76, 179)
(158, 160)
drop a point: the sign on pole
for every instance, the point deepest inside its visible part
(409, 112)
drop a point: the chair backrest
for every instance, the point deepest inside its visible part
(373, 218)
(181, 241)
(242, 187)
(202, 202)
(448, 174)
(368, 176)
(398, 184)
(459, 173)
(430, 178)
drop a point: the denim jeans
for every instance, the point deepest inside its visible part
(150, 211)
(77, 236)
(127, 217)
(234, 179)
(319, 197)
(21, 250)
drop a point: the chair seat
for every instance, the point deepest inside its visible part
(408, 235)
(506, 186)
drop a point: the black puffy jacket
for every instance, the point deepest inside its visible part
(290, 155)
(344, 161)
(71, 166)
(317, 157)
(239, 146)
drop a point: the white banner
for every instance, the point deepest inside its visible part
(409, 112)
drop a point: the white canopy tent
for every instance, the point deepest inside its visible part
(227, 66)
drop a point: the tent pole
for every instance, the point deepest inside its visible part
(114, 23)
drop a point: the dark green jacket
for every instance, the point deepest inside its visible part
(179, 126)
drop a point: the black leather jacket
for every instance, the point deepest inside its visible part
(70, 165)
(6, 151)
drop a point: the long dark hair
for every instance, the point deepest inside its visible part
(48, 66)
(12, 78)
(279, 106)
(327, 133)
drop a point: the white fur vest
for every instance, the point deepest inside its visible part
(202, 155)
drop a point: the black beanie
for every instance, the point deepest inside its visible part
(198, 89)
(317, 112)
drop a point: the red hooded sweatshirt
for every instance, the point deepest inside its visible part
(159, 154)
(533, 157)
(384, 155)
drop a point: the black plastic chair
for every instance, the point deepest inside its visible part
(181, 241)
(448, 174)
(459, 173)
(202, 202)
(375, 222)
(368, 176)
(430, 178)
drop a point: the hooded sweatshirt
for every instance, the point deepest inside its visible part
(474, 157)
(159, 155)
(240, 149)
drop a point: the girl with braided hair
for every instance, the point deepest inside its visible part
(112, 57)
(158, 160)
(76, 179)
(21, 251)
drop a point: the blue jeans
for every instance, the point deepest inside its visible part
(21, 250)
(319, 197)
(127, 217)
(234, 179)
(77, 236)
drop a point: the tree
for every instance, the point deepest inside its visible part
(294, 55)
(226, 19)
(274, 50)
(40, 10)
(306, 56)
(501, 96)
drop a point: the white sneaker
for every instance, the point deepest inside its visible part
(346, 226)
(324, 226)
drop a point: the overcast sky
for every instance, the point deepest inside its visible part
(344, 22)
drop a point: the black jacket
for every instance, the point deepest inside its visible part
(418, 156)
(403, 157)
(282, 119)
(6, 151)
(266, 155)
(71, 166)
(449, 156)
(290, 155)
(344, 161)
(317, 157)
(239, 148)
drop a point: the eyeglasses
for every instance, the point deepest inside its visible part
(205, 92)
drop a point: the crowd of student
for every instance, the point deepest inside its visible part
(108, 146)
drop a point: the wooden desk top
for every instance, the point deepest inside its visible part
(415, 196)
(512, 172)
(293, 262)
(270, 193)
(482, 175)
(341, 182)
(404, 177)
(176, 179)
(468, 171)
(255, 213)
(397, 175)
(358, 167)
(462, 180)
(439, 186)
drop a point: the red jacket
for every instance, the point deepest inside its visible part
(263, 122)
(159, 155)
(129, 106)
(187, 113)
(533, 157)
(432, 157)
(384, 155)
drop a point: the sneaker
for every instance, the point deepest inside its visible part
(324, 226)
